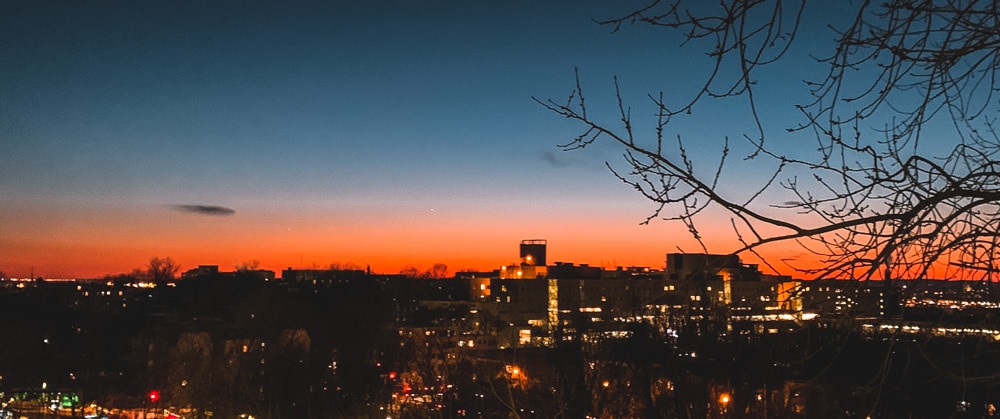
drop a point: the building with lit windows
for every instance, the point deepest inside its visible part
(706, 294)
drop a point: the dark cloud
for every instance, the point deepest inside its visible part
(205, 209)
(555, 160)
(561, 159)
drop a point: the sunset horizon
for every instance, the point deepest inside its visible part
(345, 133)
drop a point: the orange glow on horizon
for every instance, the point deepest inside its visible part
(89, 260)
(93, 241)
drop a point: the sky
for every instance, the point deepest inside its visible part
(301, 134)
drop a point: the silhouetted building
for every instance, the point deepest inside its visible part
(201, 271)
(523, 272)
(832, 298)
(479, 283)
(212, 272)
(701, 266)
(533, 252)
(322, 276)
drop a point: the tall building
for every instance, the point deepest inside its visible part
(533, 252)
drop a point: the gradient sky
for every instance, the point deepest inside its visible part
(376, 133)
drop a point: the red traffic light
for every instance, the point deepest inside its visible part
(154, 396)
(392, 375)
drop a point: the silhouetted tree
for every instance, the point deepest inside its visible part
(438, 271)
(250, 265)
(410, 271)
(162, 270)
(891, 170)
(345, 266)
(189, 371)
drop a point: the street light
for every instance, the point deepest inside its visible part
(724, 400)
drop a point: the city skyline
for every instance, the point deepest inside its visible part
(639, 208)
(385, 134)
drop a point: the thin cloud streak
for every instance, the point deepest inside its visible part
(555, 161)
(213, 210)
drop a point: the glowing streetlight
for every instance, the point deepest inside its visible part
(724, 400)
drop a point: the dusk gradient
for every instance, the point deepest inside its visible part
(300, 134)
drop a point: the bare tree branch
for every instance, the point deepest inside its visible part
(874, 199)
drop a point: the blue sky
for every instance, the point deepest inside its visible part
(322, 123)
